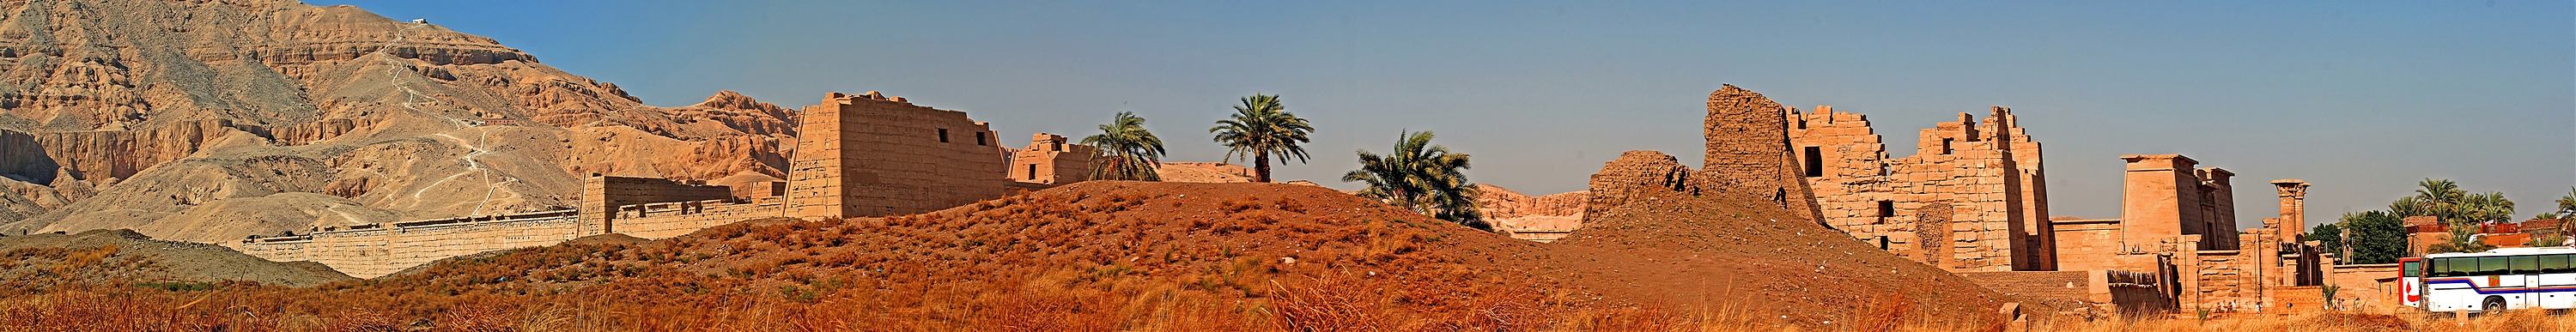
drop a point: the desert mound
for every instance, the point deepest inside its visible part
(122, 256)
(1107, 255)
(1647, 203)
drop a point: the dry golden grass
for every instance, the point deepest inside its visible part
(244, 307)
(2359, 320)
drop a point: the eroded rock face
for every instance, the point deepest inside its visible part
(207, 120)
(1637, 174)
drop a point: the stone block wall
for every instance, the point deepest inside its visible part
(1974, 175)
(2226, 282)
(2091, 244)
(673, 219)
(871, 155)
(1050, 159)
(602, 195)
(369, 251)
(2366, 285)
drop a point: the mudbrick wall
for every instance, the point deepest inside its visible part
(1983, 179)
(1632, 175)
(1747, 137)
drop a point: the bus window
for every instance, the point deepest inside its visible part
(2441, 267)
(2416, 268)
(2489, 266)
(2524, 265)
(2556, 264)
(2452, 267)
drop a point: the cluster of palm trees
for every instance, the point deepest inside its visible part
(1417, 176)
(2458, 210)
(2379, 236)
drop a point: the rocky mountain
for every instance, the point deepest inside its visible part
(212, 120)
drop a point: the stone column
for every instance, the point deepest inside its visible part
(2294, 207)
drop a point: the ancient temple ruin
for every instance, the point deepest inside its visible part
(1972, 199)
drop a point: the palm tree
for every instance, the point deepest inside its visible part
(1126, 150)
(2567, 204)
(2438, 198)
(2486, 207)
(1262, 127)
(2459, 211)
(1421, 177)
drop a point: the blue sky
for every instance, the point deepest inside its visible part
(2362, 98)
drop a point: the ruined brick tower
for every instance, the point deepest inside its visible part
(1748, 150)
(871, 155)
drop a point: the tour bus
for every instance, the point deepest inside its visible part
(2501, 279)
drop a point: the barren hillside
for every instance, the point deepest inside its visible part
(35, 262)
(212, 120)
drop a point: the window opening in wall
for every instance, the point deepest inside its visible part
(1815, 161)
(1882, 242)
(1886, 209)
(1945, 145)
(979, 138)
(943, 135)
(1802, 123)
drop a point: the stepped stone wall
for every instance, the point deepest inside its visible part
(1984, 177)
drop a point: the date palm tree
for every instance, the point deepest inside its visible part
(1422, 177)
(1127, 151)
(1262, 128)
(2567, 204)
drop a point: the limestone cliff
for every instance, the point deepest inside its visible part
(210, 120)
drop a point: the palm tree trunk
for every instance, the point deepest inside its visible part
(1261, 166)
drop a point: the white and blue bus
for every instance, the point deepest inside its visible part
(2500, 279)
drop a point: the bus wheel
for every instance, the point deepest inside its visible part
(2493, 304)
